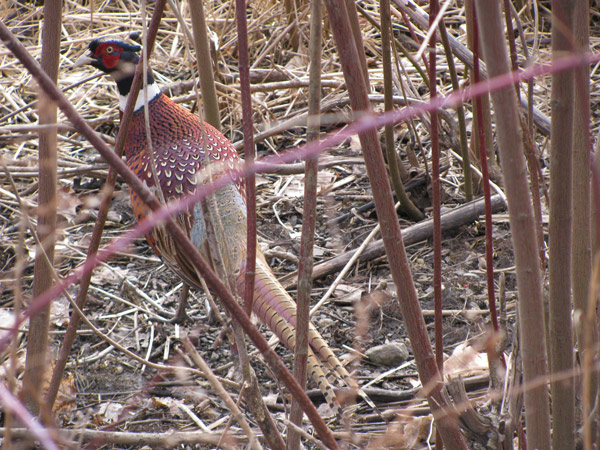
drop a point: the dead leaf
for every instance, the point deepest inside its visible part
(60, 313)
(108, 412)
(297, 62)
(67, 395)
(104, 275)
(355, 147)
(465, 361)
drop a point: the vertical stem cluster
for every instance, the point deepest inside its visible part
(251, 391)
(436, 188)
(582, 242)
(486, 124)
(309, 216)
(481, 145)
(529, 283)
(406, 204)
(561, 161)
(436, 201)
(390, 229)
(460, 113)
(37, 343)
(244, 68)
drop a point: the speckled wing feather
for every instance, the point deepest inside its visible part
(188, 153)
(183, 149)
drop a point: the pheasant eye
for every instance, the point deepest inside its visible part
(109, 55)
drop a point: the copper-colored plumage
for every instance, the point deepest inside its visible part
(187, 153)
(180, 161)
(182, 148)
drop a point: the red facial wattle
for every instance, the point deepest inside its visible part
(109, 54)
(110, 61)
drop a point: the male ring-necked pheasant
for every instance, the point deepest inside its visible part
(186, 152)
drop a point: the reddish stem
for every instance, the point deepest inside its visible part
(244, 68)
(435, 174)
(489, 245)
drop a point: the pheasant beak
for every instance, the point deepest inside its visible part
(82, 61)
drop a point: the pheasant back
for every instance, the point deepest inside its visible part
(217, 225)
(187, 153)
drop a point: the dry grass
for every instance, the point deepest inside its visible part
(135, 286)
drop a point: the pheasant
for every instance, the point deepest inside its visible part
(185, 153)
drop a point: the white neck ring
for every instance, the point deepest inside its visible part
(153, 92)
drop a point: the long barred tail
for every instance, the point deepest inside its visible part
(276, 309)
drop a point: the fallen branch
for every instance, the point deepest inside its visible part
(386, 396)
(419, 232)
(167, 439)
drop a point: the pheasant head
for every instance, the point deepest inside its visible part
(119, 60)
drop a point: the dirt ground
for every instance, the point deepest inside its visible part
(111, 387)
(105, 385)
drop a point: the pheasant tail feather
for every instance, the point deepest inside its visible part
(276, 309)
